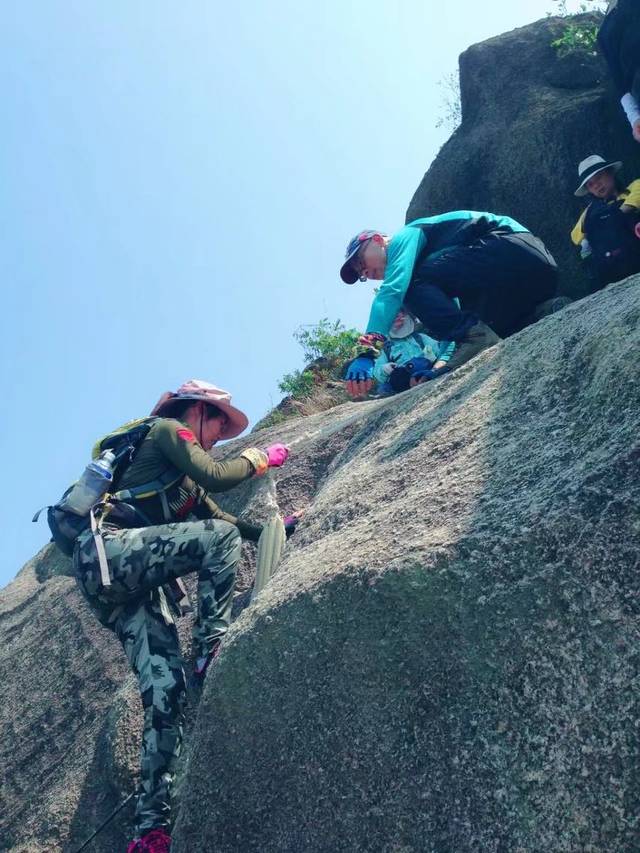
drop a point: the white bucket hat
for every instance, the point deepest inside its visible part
(197, 389)
(589, 167)
(407, 327)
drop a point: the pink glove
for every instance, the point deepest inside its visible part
(637, 230)
(277, 455)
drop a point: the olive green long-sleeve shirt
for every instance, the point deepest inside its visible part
(171, 444)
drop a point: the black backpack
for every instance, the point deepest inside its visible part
(615, 249)
(124, 442)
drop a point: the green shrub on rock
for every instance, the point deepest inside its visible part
(326, 345)
(579, 36)
(326, 340)
(298, 384)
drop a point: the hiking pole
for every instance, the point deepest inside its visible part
(104, 823)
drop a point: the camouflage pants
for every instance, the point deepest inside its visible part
(140, 561)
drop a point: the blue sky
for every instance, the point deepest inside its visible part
(179, 182)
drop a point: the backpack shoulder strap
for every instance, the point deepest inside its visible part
(130, 434)
(165, 481)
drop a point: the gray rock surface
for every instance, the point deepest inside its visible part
(62, 761)
(528, 118)
(448, 657)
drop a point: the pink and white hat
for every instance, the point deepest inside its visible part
(197, 389)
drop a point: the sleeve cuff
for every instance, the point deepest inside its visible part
(631, 108)
(257, 458)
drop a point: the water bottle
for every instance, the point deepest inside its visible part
(91, 486)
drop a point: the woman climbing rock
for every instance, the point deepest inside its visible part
(149, 538)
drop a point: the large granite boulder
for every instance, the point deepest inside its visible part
(528, 117)
(448, 657)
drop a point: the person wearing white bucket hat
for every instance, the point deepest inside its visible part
(606, 229)
(161, 524)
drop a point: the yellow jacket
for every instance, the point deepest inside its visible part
(630, 196)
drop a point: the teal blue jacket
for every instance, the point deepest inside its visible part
(404, 350)
(433, 234)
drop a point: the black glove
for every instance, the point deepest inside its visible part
(420, 366)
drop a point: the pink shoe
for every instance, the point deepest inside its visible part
(154, 841)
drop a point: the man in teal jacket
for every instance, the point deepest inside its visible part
(496, 268)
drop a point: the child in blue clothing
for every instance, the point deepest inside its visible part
(406, 354)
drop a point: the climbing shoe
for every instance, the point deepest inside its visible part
(202, 664)
(478, 338)
(155, 841)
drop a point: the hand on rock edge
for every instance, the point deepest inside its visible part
(636, 130)
(277, 455)
(427, 375)
(360, 388)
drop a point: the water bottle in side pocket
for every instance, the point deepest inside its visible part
(92, 485)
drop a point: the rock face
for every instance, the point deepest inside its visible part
(528, 118)
(62, 758)
(448, 658)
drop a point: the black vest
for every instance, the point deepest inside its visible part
(614, 245)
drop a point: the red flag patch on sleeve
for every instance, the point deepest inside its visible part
(186, 435)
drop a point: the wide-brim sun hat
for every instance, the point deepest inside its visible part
(589, 167)
(197, 389)
(347, 272)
